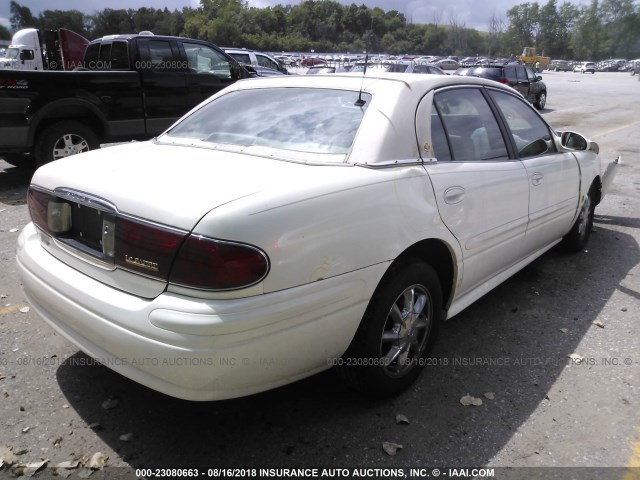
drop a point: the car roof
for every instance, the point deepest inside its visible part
(245, 50)
(374, 81)
(387, 96)
(129, 36)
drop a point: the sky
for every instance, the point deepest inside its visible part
(470, 13)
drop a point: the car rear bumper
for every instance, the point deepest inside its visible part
(192, 348)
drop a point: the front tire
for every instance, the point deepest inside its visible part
(64, 139)
(397, 331)
(578, 236)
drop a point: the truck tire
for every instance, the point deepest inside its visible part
(64, 139)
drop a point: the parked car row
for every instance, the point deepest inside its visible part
(612, 65)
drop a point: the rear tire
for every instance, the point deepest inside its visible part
(64, 139)
(397, 331)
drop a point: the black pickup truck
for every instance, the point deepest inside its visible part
(128, 87)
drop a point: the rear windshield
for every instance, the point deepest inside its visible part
(486, 72)
(304, 120)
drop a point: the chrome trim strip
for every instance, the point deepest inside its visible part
(85, 199)
(398, 163)
(79, 254)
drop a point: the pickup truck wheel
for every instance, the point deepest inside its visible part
(397, 331)
(541, 101)
(578, 236)
(63, 140)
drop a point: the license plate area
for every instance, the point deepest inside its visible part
(91, 231)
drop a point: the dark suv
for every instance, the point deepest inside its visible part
(516, 75)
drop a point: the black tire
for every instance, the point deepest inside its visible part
(64, 139)
(541, 100)
(390, 347)
(578, 236)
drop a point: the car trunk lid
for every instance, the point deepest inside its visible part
(122, 213)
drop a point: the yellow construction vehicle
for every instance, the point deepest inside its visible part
(530, 57)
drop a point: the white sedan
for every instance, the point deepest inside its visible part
(291, 224)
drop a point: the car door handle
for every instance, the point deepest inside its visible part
(536, 179)
(453, 195)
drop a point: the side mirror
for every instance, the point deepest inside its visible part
(575, 141)
(253, 71)
(538, 77)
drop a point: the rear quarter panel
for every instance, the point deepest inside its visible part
(331, 220)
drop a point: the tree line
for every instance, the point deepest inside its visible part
(603, 29)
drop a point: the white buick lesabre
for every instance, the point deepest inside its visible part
(290, 224)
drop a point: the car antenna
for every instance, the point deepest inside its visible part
(360, 102)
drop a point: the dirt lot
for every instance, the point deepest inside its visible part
(511, 349)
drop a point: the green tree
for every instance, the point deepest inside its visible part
(21, 17)
(590, 37)
(111, 22)
(523, 26)
(615, 14)
(70, 19)
(5, 34)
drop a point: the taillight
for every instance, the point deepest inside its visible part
(38, 202)
(211, 264)
(145, 247)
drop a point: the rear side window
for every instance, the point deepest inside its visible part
(161, 55)
(244, 58)
(511, 74)
(119, 56)
(105, 54)
(471, 129)
(522, 74)
(266, 62)
(91, 55)
(439, 143)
